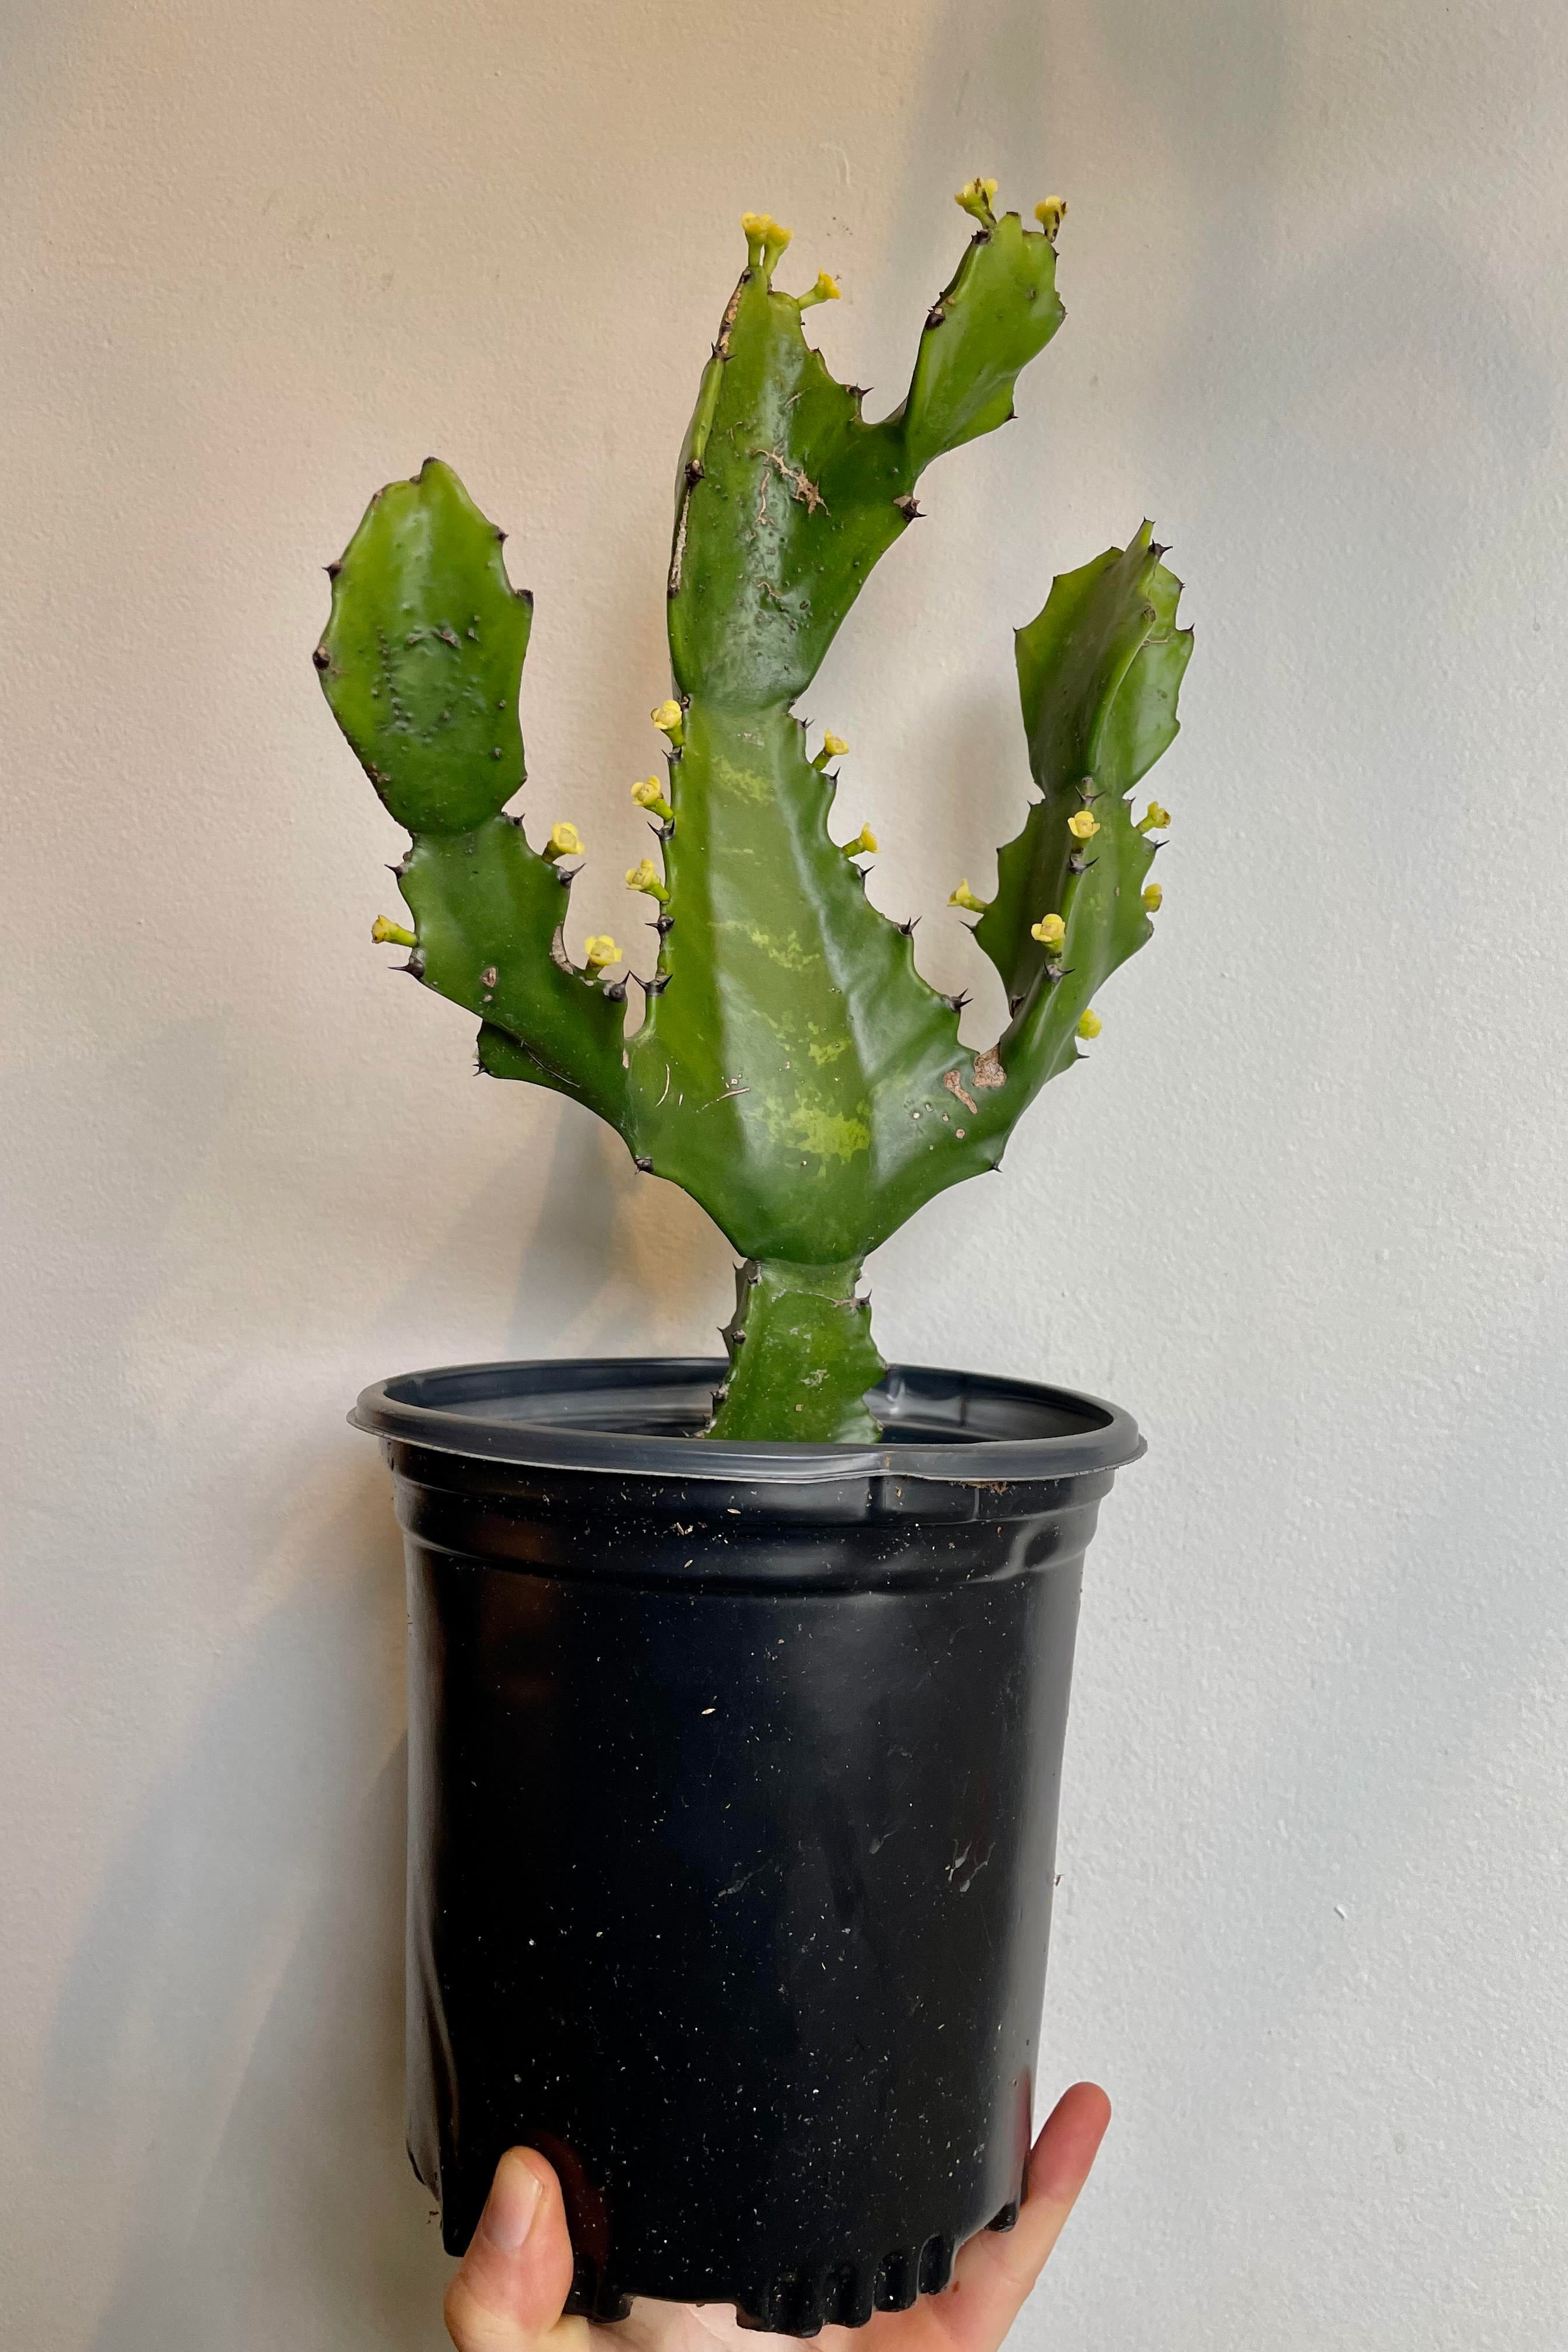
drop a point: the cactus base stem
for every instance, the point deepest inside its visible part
(800, 1357)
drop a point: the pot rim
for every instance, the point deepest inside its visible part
(582, 1413)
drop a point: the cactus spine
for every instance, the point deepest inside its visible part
(792, 1070)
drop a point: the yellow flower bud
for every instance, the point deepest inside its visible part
(824, 290)
(670, 720)
(649, 795)
(863, 841)
(600, 950)
(644, 876)
(1083, 824)
(766, 237)
(1154, 818)
(1050, 216)
(1089, 1024)
(1050, 931)
(392, 935)
(974, 198)
(834, 746)
(1153, 899)
(564, 840)
(964, 897)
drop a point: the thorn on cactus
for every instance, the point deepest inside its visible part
(909, 508)
(643, 1167)
(387, 934)
(564, 840)
(321, 657)
(415, 967)
(964, 897)
(644, 876)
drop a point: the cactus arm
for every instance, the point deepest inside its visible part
(421, 662)
(1001, 310)
(786, 501)
(488, 912)
(786, 497)
(1099, 672)
(422, 655)
(1096, 728)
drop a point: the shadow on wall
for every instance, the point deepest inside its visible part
(247, 1959)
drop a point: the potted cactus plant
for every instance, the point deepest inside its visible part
(756, 1672)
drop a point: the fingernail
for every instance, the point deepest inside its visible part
(510, 2206)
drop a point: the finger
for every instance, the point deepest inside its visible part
(517, 2272)
(995, 2270)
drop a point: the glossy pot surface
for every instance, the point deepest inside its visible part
(733, 1781)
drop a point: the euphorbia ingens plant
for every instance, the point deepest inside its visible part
(792, 1069)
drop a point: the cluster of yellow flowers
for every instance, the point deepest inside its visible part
(976, 198)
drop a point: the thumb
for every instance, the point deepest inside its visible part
(517, 2273)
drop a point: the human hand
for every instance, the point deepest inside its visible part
(514, 2279)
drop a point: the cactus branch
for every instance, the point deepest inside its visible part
(421, 661)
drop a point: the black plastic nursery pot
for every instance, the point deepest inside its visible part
(734, 1775)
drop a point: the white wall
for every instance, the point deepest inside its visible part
(1305, 1215)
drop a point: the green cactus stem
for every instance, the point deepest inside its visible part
(801, 1356)
(792, 1070)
